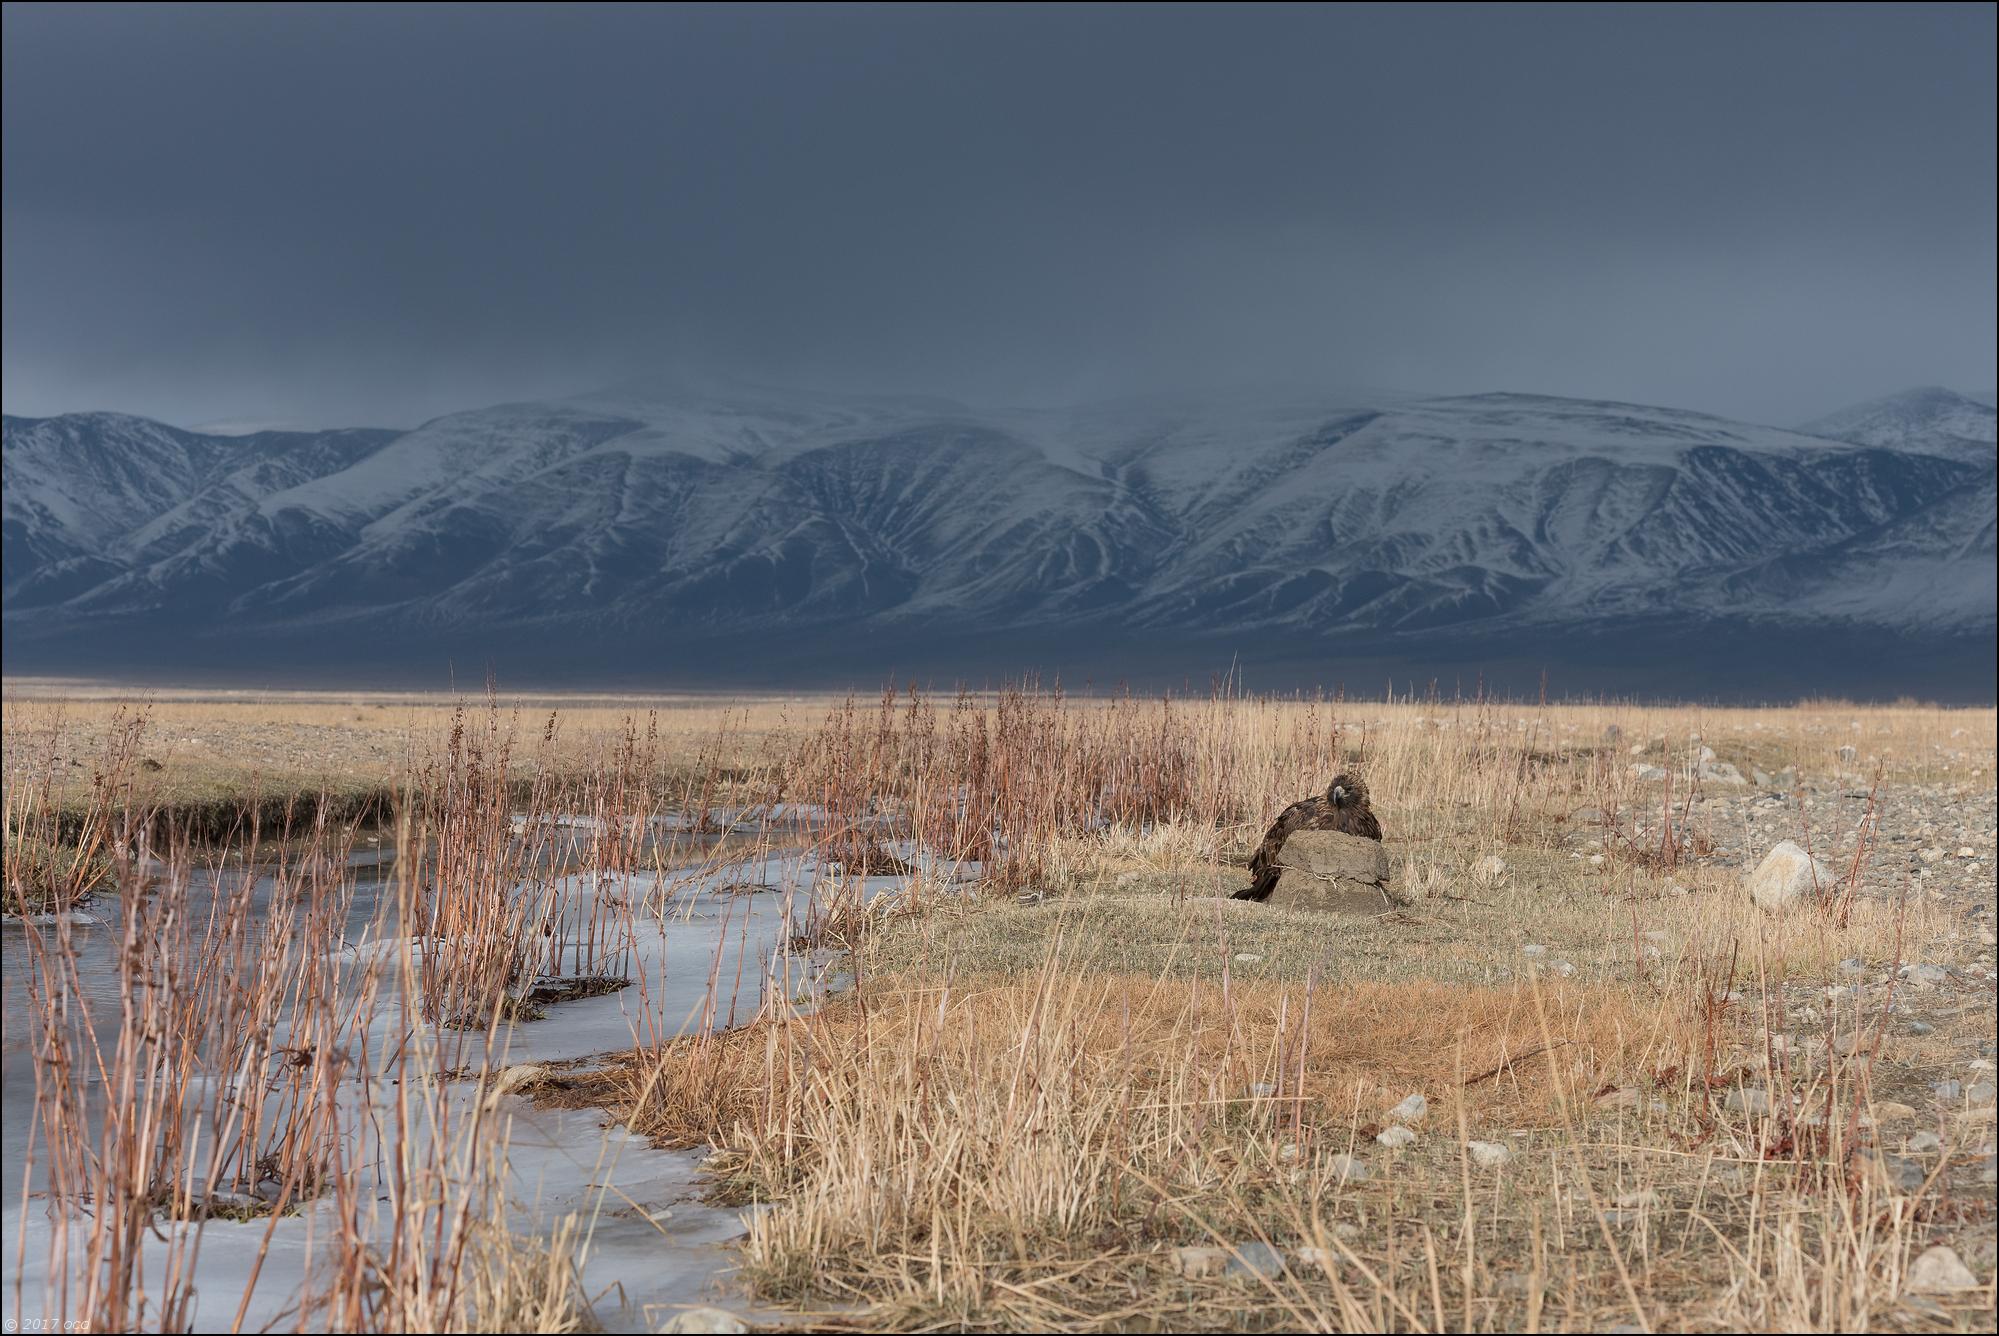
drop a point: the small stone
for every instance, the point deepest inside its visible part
(1981, 1092)
(1925, 976)
(1248, 958)
(1749, 1099)
(1642, 771)
(1967, 852)
(1852, 966)
(1949, 1091)
(1198, 1263)
(1641, 1199)
(1922, 1143)
(1786, 875)
(1262, 1090)
(1411, 1110)
(1347, 1168)
(1487, 1154)
(1921, 1028)
(1396, 1137)
(1888, 1111)
(1894, 1171)
(1931, 855)
(689, 1321)
(1533, 949)
(1256, 1258)
(1940, 1271)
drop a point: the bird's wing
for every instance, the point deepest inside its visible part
(1291, 818)
(1362, 823)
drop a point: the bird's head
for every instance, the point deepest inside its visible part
(1347, 791)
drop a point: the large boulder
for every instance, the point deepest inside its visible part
(1786, 875)
(1325, 869)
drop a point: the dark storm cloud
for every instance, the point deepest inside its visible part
(371, 215)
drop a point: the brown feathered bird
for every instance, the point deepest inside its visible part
(1342, 807)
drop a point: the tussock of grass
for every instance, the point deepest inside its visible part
(994, 1151)
(44, 877)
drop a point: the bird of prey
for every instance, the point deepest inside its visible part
(1342, 807)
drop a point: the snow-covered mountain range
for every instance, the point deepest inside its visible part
(749, 512)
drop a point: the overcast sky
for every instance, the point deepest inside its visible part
(352, 216)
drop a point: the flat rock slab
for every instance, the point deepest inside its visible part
(1333, 872)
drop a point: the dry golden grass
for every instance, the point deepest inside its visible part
(1333, 1058)
(1022, 1152)
(1416, 751)
(1025, 1107)
(203, 748)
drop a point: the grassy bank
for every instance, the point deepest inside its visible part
(1578, 1081)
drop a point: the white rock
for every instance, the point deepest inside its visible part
(1750, 1099)
(1490, 868)
(1787, 874)
(1488, 1154)
(1644, 1197)
(1411, 1110)
(1533, 949)
(1396, 1137)
(1247, 958)
(691, 1320)
(1940, 1271)
(1347, 1168)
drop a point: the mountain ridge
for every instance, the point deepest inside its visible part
(1304, 521)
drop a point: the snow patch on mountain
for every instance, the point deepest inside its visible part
(724, 508)
(1930, 420)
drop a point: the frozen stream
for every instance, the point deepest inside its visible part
(701, 953)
